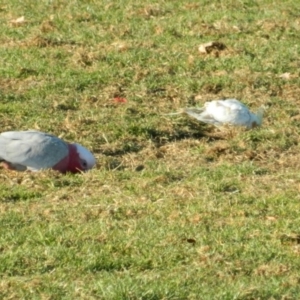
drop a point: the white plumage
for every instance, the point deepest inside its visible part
(226, 112)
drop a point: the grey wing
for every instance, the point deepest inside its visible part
(33, 149)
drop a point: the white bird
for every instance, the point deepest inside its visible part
(34, 150)
(226, 112)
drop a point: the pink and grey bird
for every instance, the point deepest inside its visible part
(34, 150)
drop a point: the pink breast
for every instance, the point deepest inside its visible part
(70, 163)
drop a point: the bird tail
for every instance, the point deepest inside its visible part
(197, 113)
(193, 112)
(200, 114)
(175, 114)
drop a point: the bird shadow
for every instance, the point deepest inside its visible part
(159, 138)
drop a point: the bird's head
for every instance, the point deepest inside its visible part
(86, 159)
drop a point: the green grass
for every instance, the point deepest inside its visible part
(174, 209)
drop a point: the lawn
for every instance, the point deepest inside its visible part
(175, 209)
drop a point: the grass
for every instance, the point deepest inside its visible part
(174, 209)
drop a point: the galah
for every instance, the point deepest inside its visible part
(226, 112)
(35, 150)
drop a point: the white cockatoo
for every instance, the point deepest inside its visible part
(34, 150)
(226, 112)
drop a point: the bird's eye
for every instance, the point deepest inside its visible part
(84, 163)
